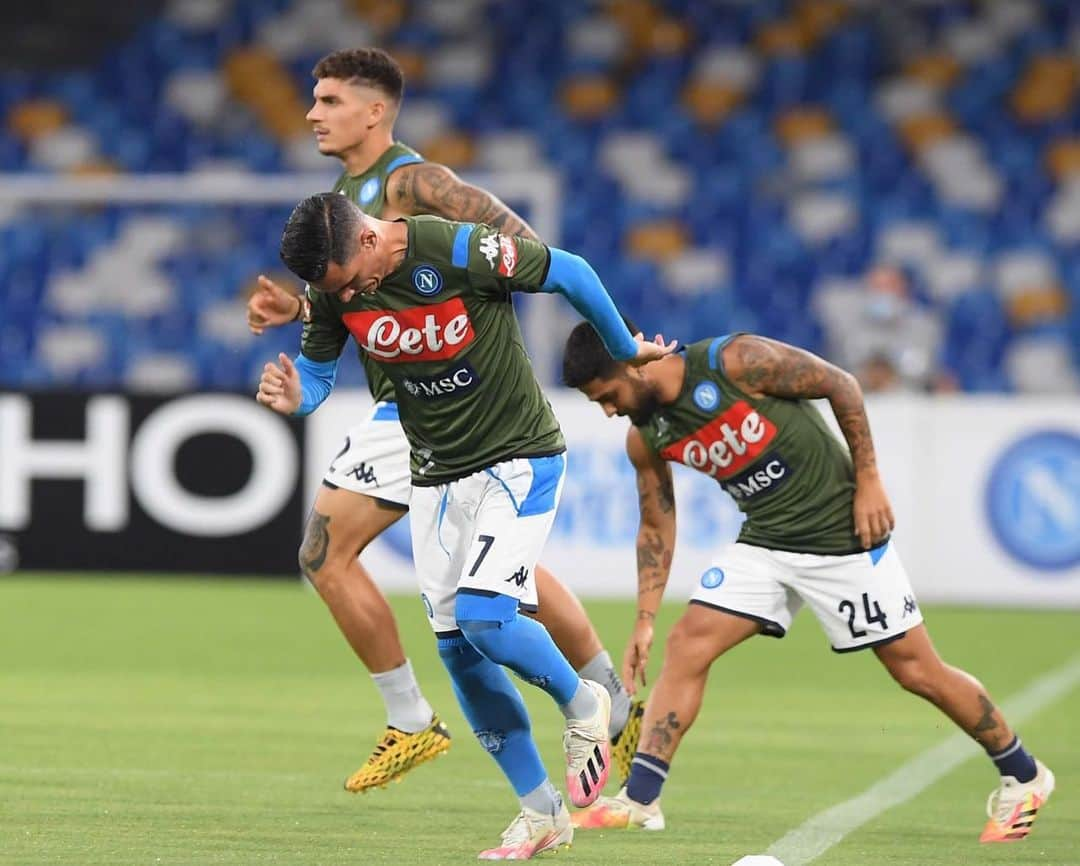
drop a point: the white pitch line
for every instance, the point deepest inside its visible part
(821, 832)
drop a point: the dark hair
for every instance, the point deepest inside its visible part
(370, 66)
(321, 229)
(586, 357)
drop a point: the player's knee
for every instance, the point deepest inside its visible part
(687, 647)
(914, 676)
(458, 655)
(484, 635)
(481, 618)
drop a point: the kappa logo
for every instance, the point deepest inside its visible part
(910, 605)
(489, 249)
(501, 253)
(362, 473)
(519, 577)
(433, 333)
(728, 443)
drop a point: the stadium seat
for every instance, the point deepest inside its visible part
(723, 163)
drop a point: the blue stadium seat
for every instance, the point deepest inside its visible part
(740, 192)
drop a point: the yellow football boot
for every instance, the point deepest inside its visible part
(397, 753)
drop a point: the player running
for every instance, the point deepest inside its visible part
(429, 301)
(357, 97)
(816, 532)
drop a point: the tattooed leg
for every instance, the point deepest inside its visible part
(696, 641)
(340, 526)
(915, 665)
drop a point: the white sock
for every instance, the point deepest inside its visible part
(602, 670)
(582, 705)
(406, 708)
(544, 798)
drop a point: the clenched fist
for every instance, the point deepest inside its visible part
(279, 387)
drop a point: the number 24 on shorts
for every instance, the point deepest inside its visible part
(874, 616)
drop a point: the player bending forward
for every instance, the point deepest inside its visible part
(429, 301)
(816, 532)
(357, 96)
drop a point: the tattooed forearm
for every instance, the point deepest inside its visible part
(654, 552)
(661, 740)
(847, 406)
(655, 493)
(315, 544)
(778, 370)
(428, 188)
(665, 495)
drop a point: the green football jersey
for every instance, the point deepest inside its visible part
(442, 327)
(778, 460)
(368, 190)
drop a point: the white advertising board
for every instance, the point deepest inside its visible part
(986, 492)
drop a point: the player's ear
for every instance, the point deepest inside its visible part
(376, 112)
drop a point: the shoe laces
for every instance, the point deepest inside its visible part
(520, 831)
(388, 741)
(580, 738)
(1003, 799)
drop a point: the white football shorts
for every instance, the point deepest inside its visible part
(861, 600)
(375, 458)
(485, 533)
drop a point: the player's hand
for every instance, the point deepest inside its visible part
(873, 515)
(270, 306)
(651, 350)
(636, 657)
(279, 387)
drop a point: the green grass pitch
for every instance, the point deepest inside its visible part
(179, 721)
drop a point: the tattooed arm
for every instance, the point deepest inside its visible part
(430, 188)
(655, 545)
(767, 368)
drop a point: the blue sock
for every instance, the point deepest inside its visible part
(647, 777)
(493, 625)
(496, 713)
(1014, 760)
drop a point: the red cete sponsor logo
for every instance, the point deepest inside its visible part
(726, 444)
(508, 256)
(433, 333)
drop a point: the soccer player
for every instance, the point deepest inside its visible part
(429, 301)
(816, 532)
(357, 97)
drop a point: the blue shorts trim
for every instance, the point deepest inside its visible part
(877, 552)
(547, 473)
(386, 412)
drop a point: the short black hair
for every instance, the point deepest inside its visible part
(321, 229)
(370, 66)
(586, 357)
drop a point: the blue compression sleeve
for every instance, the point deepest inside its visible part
(493, 625)
(316, 382)
(495, 711)
(573, 277)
